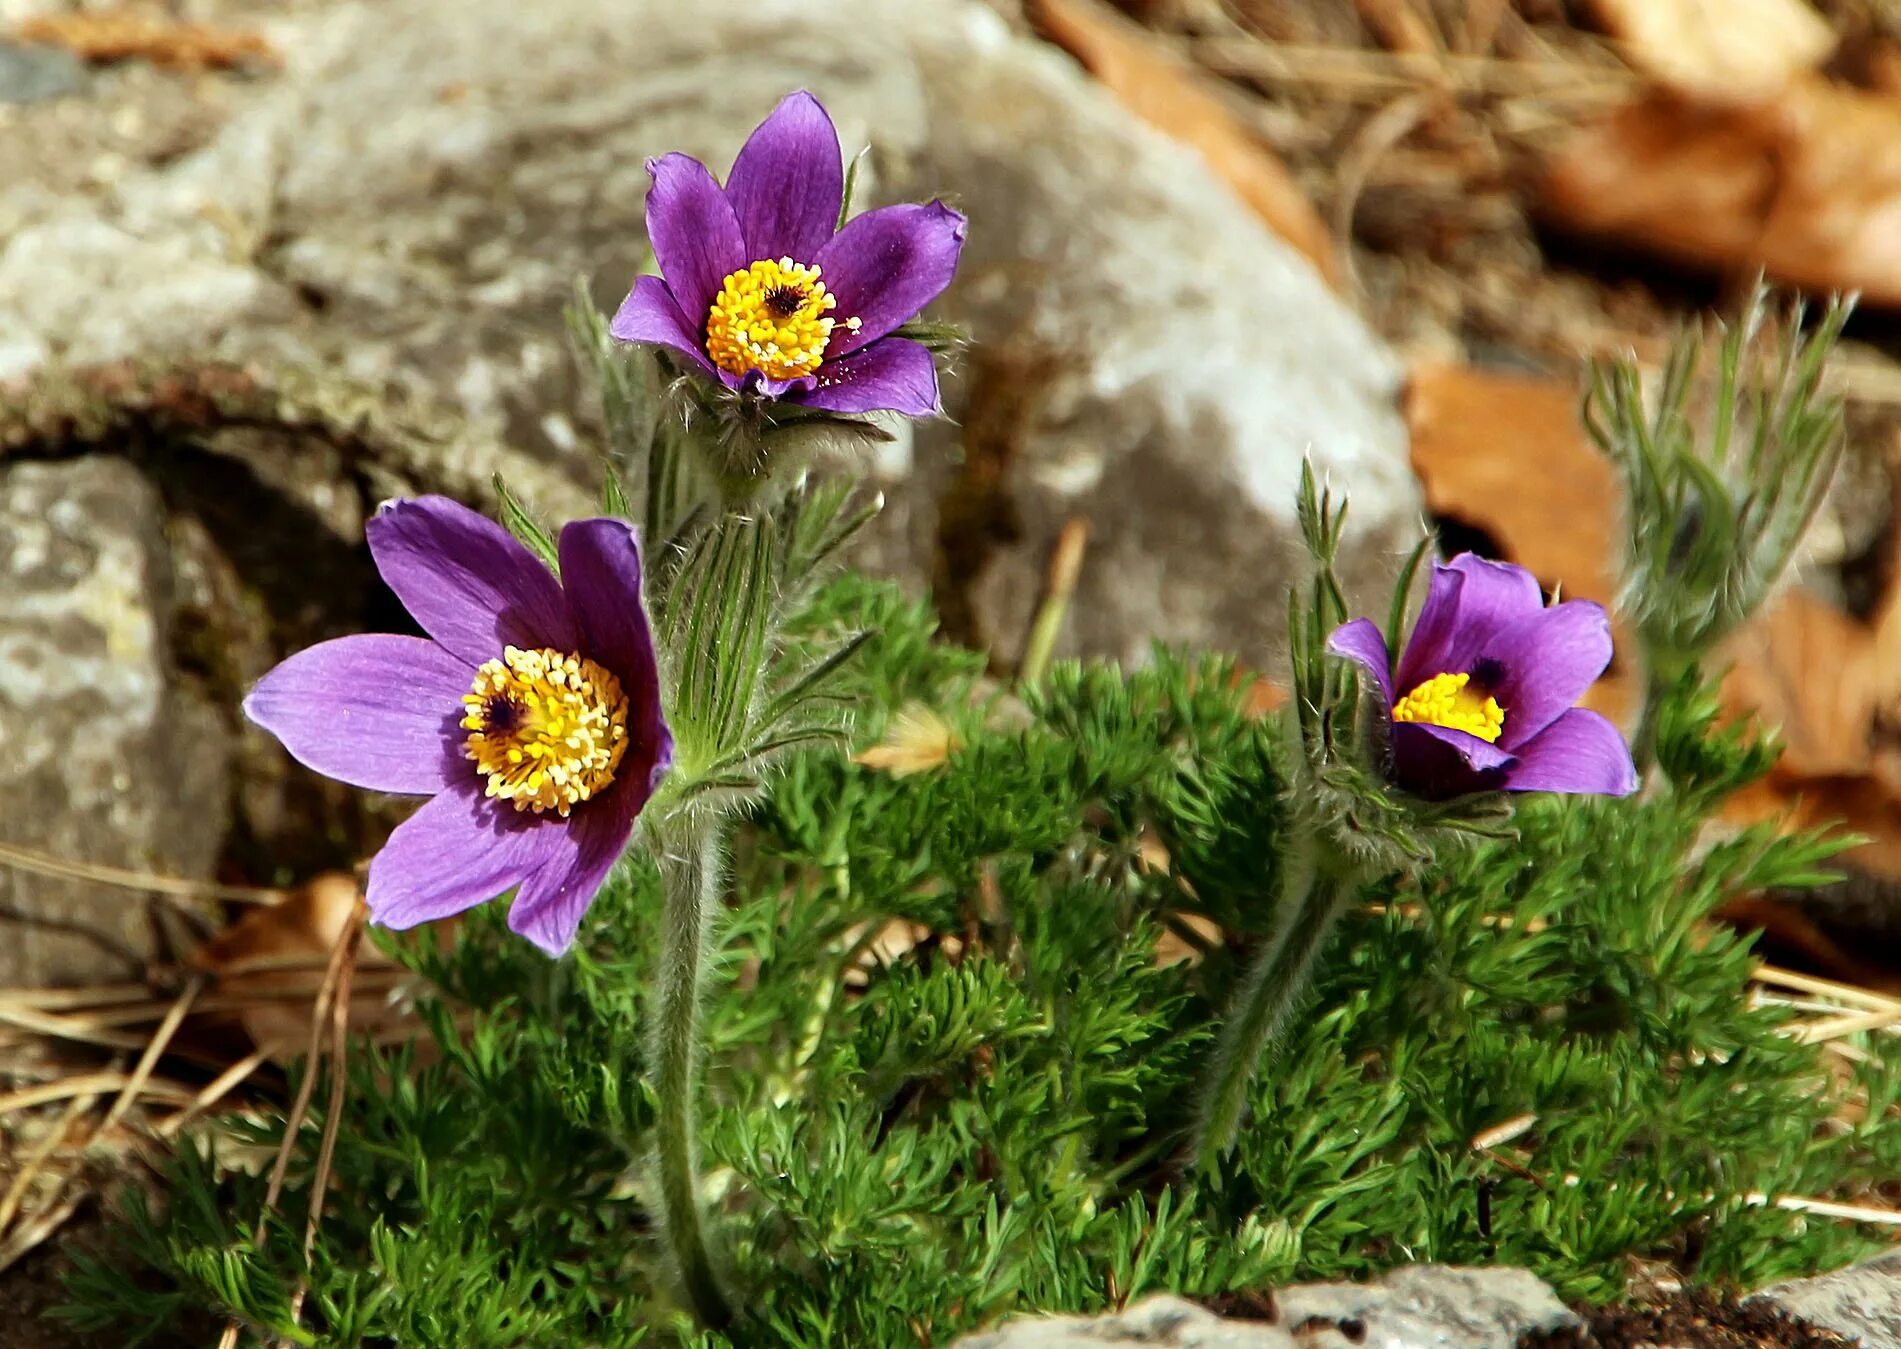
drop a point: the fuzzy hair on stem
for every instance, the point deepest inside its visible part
(688, 853)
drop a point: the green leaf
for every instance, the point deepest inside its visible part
(517, 520)
(1402, 593)
(614, 496)
(851, 187)
(938, 336)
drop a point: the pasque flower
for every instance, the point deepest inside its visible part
(530, 714)
(760, 289)
(1483, 699)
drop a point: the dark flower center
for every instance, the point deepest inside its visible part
(500, 713)
(784, 301)
(1488, 673)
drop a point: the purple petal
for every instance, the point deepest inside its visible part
(777, 388)
(377, 711)
(1468, 601)
(1439, 762)
(788, 181)
(694, 233)
(650, 314)
(893, 374)
(1361, 641)
(1544, 663)
(460, 850)
(550, 904)
(469, 582)
(886, 265)
(601, 570)
(1580, 752)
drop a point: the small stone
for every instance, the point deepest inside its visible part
(1425, 1305)
(1416, 1307)
(1861, 1301)
(1160, 1320)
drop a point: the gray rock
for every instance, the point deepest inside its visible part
(1424, 1305)
(1862, 1301)
(1164, 1319)
(409, 202)
(30, 72)
(106, 757)
(1418, 1307)
(404, 208)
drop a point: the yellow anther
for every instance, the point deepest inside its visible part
(771, 317)
(1445, 700)
(547, 730)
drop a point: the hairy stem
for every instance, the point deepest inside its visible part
(1658, 681)
(690, 870)
(1269, 989)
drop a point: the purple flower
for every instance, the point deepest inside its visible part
(1486, 687)
(530, 714)
(759, 289)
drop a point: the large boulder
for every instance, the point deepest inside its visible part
(281, 294)
(408, 202)
(108, 757)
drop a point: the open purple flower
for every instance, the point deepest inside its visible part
(761, 290)
(531, 714)
(1487, 684)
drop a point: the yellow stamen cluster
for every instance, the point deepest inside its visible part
(1445, 700)
(773, 317)
(548, 730)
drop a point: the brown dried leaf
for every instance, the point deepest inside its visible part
(1809, 668)
(274, 954)
(1398, 26)
(1504, 453)
(1179, 101)
(1812, 671)
(1725, 49)
(106, 36)
(882, 947)
(917, 740)
(1171, 948)
(1805, 185)
(1262, 696)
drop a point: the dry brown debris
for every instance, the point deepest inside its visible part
(1804, 184)
(1695, 1318)
(106, 36)
(1180, 101)
(1722, 48)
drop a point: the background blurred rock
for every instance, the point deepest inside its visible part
(107, 755)
(409, 200)
(374, 210)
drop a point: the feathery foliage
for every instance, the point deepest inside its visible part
(946, 1068)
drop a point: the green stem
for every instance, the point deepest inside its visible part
(690, 873)
(1269, 989)
(1643, 746)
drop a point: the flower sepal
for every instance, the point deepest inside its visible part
(744, 693)
(935, 335)
(755, 447)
